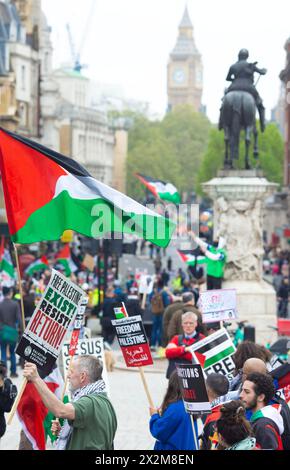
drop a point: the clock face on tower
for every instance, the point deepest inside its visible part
(179, 76)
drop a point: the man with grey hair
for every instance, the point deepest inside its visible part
(174, 326)
(178, 348)
(90, 420)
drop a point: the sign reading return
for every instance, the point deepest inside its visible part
(192, 384)
(218, 305)
(133, 341)
(45, 333)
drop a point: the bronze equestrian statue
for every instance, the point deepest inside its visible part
(238, 109)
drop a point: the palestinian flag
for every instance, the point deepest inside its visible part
(189, 257)
(214, 348)
(6, 266)
(160, 189)
(63, 257)
(47, 193)
(121, 312)
(33, 415)
(39, 265)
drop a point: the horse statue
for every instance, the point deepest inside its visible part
(238, 111)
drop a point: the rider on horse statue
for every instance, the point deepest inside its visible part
(241, 74)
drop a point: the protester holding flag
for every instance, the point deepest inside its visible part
(171, 425)
(177, 349)
(91, 421)
(215, 259)
(10, 321)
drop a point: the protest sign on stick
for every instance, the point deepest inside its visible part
(45, 333)
(194, 394)
(215, 353)
(218, 305)
(134, 344)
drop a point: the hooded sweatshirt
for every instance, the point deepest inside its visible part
(246, 444)
(267, 424)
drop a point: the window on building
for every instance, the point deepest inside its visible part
(23, 77)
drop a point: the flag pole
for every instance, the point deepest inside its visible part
(24, 382)
(195, 433)
(17, 400)
(20, 286)
(146, 387)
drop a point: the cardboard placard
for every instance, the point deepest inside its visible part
(45, 333)
(218, 305)
(146, 284)
(192, 384)
(92, 347)
(133, 341)
(217, 350)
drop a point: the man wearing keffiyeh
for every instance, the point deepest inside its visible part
(90, 420)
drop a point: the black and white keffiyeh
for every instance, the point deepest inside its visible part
(66, 430)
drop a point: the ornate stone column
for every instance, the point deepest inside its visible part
(238, 197)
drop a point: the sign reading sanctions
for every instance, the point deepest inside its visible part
(192, 384)
(133, 342)
(45, 333)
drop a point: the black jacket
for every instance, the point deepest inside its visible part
(7, 396)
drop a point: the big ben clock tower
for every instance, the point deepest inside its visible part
(184, 70)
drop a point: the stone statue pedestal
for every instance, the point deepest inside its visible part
(238, 197)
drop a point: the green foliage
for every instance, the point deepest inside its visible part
(270, 160)
(170, 149)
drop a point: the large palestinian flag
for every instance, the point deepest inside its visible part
(165, 191)
(32, 413)
(47, 193)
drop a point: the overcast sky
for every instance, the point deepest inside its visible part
(129, 41)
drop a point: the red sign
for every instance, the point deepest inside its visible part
(133, 341)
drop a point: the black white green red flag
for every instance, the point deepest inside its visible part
(47, 193)
(160, 189)
(189, 257)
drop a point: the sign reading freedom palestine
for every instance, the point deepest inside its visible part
(45, 333)
(133, 341)
(192, 384)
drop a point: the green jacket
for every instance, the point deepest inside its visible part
(215, 268)
(95, 424)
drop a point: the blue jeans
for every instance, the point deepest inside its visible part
(12, 355)
(156, 334)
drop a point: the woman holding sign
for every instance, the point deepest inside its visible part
(171, 425)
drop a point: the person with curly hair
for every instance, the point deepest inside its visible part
(266, 420)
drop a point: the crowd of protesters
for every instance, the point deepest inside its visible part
(247, 411)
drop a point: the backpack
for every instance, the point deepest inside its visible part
(157, 305)
(285, 413)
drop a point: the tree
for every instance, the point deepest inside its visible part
(170, 150)
(270, 160)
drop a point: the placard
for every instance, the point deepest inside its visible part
(218, 305)
(45, 333)
(133, 341)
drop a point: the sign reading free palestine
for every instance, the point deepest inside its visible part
(45, 333)
(215, 353)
